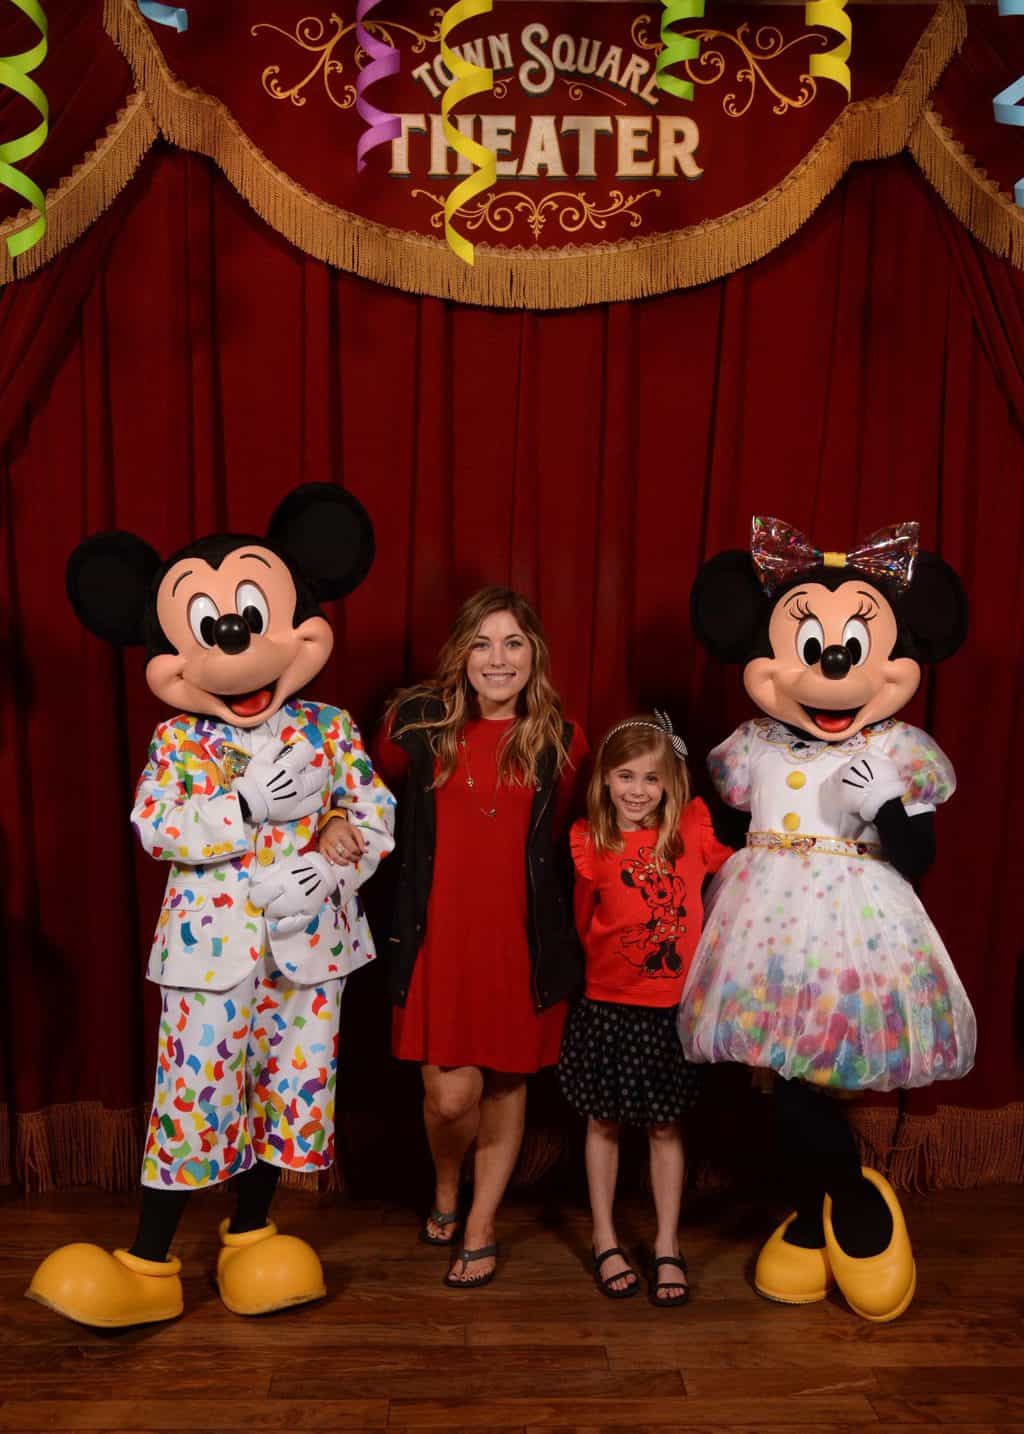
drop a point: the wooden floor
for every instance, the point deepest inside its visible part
(540, 1349)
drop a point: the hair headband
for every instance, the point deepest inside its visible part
(662, 723)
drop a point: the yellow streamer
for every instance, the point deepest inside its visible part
(14, 73)
(832, 66)
(469, 80)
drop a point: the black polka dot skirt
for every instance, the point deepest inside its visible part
(625, 1063)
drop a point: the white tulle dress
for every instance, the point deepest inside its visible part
(817, 959)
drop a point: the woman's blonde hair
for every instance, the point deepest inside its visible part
(539, 722)
(623, 744)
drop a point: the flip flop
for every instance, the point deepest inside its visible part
(466, 1257)
(444, 1218)
(656, 1289)
(604, 1282)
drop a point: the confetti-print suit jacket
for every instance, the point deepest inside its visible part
(186, 813)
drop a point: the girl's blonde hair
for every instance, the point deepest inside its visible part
(622, 745)
(539, 722)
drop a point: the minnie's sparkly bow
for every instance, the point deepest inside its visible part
(662, 723)
(781, 552)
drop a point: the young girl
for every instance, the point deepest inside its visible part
(641, 858)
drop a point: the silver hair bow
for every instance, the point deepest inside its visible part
(662, 723)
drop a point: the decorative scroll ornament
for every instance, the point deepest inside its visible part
(676, 48)
(469, 80)
(171, 15)
(381, 126)
(781, 552)
(574, 211)
(834, 65)
(755, 50)
(1006, 105)
(14, 74)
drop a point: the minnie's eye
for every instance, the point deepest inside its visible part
(252, 607)
(202, 619)
(857, 641)
(810, 640)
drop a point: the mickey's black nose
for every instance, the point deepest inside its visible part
(835, 660)
(231, 633)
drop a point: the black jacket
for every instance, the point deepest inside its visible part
(555, 954)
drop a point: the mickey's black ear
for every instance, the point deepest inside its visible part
(934, 609)
(728, 605)
(328, 535)
(109, 580)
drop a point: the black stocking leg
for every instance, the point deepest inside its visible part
(860, 1217)
(158, 1220)
(254, 1192)
(803, 1168)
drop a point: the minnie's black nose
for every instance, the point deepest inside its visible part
(835, 660)
(231, 634)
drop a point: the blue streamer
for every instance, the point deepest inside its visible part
(1006, 105)
(171, 15)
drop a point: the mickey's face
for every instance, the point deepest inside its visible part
(237, 655)
(831, 672)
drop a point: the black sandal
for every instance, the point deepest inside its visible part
(656, 1290)
(604, 1283)
(444, 1218)
(467, 1257)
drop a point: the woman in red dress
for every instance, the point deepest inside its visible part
(484, 953)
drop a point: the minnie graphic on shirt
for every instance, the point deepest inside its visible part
(652, 945)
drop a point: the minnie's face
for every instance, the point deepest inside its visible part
(237, 655)
(831, 672)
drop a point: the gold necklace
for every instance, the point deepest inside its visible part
(491, 811)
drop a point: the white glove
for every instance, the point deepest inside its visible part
(279, 785)
(292, 893)
(864, 785)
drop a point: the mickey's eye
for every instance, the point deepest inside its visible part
(202, 618)
(252, 605)
(810, 639)
(857, 641)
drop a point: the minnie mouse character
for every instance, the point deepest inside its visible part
(817, 959)
(258, 931)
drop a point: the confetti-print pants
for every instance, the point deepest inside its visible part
(242, 1075)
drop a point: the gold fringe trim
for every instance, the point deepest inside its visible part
(80, 1144)
(955, 1147)
(83, 195)
(977, 201)
(540, 279)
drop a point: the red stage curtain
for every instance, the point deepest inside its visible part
(858, 375)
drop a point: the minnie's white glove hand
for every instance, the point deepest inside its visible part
(279, 785)
(864, 785)
(293, 892)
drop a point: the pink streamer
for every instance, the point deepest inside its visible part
(381, 126)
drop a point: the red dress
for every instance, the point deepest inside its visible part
(470, 1000)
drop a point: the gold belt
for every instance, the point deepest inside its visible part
(828, 845)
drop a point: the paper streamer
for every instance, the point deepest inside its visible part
(677, 48)
(1006, 105)
(469, 80)
(171, 15)
(831, 14)
(14, 73)
(381, 126)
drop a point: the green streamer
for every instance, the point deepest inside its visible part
(14, 73)
(677, 48)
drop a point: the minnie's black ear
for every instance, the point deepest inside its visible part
(109, 579)
(933, 610)
(328, 535)
(728, 605)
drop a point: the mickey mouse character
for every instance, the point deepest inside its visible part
(817, 959)
(258, 931)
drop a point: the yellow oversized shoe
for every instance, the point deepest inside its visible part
(880, 1287)
(261, 1271)
(791, 1274)
(86, 1284)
